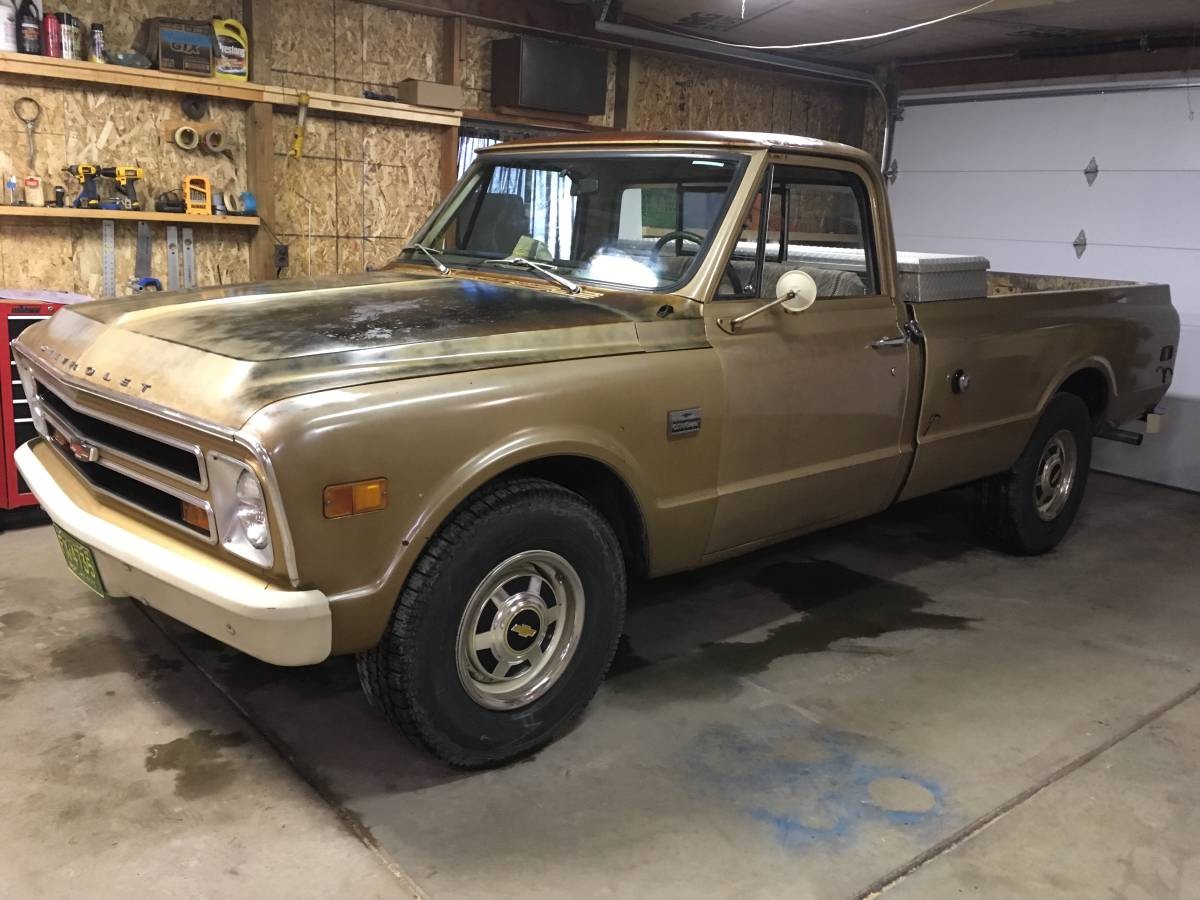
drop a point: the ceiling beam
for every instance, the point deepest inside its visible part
(1002, 68)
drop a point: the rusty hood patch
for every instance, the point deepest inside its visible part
(221, 354)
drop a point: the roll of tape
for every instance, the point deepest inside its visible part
(233, 203)
(214, 140)
(195, 107)
(187, 138)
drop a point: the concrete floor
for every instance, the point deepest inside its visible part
(883, 707)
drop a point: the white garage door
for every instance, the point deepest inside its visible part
(1004, 179)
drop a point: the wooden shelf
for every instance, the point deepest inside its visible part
(126, 215)
(361, 108)
(123, 76)
(246, 92)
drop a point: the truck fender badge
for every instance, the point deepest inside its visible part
(681, 422)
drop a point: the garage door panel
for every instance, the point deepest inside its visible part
(1136, 210)
(1135, 131)
(1003, 179)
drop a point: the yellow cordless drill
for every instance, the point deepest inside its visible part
(85, 174)
(126, 178)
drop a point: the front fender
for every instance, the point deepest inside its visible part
(439, 439)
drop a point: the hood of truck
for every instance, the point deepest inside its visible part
(220, 355)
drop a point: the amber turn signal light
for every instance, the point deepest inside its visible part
(343, 500)
(195, 516)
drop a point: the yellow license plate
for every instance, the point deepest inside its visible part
(80, 560)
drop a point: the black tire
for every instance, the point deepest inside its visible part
(1010, 503)
(413, 675)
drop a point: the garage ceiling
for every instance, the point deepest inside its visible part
(1006, 24)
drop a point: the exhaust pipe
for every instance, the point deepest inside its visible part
(1123, 436)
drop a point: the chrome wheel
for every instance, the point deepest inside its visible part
(520, 630)
(1055, 476)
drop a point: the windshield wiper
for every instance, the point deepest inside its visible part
(429, 252)
(541, 268)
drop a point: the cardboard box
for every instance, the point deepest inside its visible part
(177, 45)
(430, 93)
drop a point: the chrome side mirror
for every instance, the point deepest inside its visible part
(796, 292)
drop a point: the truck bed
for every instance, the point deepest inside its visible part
(1024, 341)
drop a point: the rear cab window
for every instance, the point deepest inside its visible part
(817, 220)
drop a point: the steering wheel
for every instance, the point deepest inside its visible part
(730, 272)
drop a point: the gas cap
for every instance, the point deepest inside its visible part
(960, 382)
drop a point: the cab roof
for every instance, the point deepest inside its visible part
(752, 140)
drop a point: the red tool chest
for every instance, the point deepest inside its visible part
(16, 426)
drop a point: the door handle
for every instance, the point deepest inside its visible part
(898, 341)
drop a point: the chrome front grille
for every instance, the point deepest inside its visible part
(115, 459)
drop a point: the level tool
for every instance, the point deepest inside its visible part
(108, 256)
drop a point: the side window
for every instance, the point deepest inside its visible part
(819, 221)
(744, 261)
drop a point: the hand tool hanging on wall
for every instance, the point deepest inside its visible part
(173, 277)
(108, 257)
(29, 111)
(297, 150)
(126, 178)
(142, 280)
(189, 260)
(89, 195)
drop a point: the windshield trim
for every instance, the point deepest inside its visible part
(497, 157)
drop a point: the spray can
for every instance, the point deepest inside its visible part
(51, 36)
(8, 27)
(72, 36)
(97, 43)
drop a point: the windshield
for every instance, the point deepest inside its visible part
(630, 219)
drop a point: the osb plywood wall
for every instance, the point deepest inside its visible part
(673, 93)
(364, 187)
(118, 126)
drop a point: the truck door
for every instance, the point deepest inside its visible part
(818, 402)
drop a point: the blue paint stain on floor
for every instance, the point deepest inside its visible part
(809, 785)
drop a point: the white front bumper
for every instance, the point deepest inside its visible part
(287, 628)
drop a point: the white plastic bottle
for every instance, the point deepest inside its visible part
(8, 27)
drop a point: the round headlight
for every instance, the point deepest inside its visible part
(251, 511)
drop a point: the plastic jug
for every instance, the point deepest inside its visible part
(231, 56)
(8, 27)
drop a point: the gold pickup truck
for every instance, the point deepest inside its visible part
(601, 358)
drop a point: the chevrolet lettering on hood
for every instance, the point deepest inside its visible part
(72, 366)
